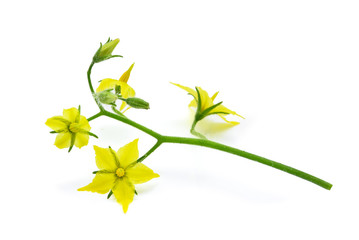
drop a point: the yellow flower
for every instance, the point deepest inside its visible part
(72, 129)
(118, 172)
(207, 104)
(126, 90)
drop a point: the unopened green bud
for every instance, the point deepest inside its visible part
(137, 103)
(105, 51)
(107, 97)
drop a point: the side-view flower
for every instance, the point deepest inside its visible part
(118, 172)
(204, 107)
(72, 129)
(124, 89)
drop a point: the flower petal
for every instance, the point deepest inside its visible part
(140, 173)
(222, 108)
(84, 124)
(82, 139)
(56, 123)
(124, 192)
(189, 90)
(71, 114)
(230, 122)
(214, 96)
(205, 99)
(126, 75)
(102, 183)
(107, 83)
(63, 140)
(105, 159)
(128, 153)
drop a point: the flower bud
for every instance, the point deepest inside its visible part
(137, 103)
(105, 51)
(107, 97)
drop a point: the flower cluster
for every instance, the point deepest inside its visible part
(118, 172)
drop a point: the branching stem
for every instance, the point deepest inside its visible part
(201, 142)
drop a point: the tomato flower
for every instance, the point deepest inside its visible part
(71, 128)
(118, 172)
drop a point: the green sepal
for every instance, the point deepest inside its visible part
(136, 192)
(73, 137)
(118, 89)
(92, 134)
(206, 111)
(109, 194)
(78, 115)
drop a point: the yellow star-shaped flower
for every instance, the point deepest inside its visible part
(118, 172)
(71, 128)
(207, 104)
(126, 90)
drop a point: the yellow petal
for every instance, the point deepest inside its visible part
(105, 159)
(84, 124)
(102, 183)
(81, 139)
(63, 140)
(222, 108)
(70, 114)
(230, 122)
(214, 96)
(123, 105)
(128, 153)
(140, 173)
(193, 103)
(107, 83)
(126, 75)
(126, 90)
(189, 90)
(124, 191)
(206, 101)
(56, 123)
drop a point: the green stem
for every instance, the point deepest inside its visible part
(235, 151)
(154, 147)
(94, 116)
(133, 124)
(158, 143)
(118, 112)
(194, 132)
(91, 88)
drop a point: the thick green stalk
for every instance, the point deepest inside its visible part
(201, 142)
(235, 151)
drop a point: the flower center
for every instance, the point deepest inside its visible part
(120, 172)
(74, 127)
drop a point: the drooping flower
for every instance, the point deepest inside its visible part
(71, 128)
(125, 90)
(118, 172)
(207, 107)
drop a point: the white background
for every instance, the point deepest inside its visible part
(289, 67)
